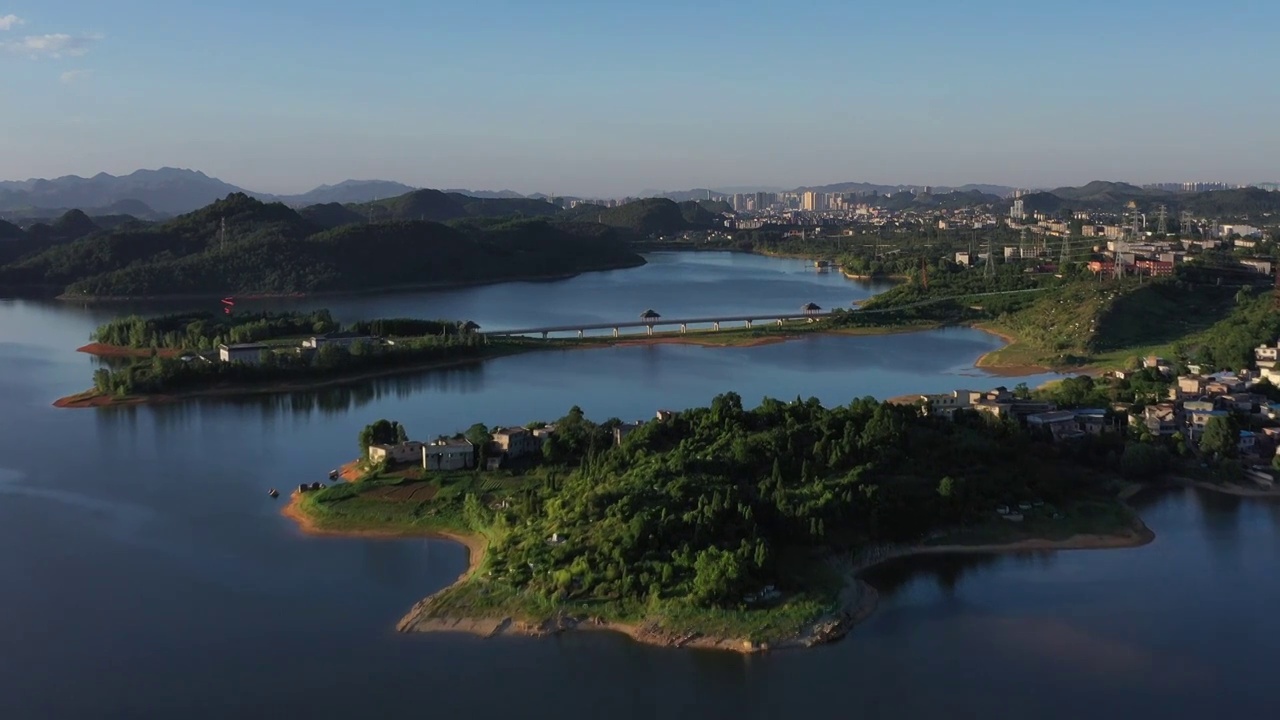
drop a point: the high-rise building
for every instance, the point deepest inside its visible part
(1018, 211)
(811, 201)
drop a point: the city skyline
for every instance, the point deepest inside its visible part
(608, 101)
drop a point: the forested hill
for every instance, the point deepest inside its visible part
(269, 248)
(651, 216)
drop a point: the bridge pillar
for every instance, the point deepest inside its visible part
(748, 324)
(715, 326)
(684, 327)
(779, 322)
(579, 334)
(615, 332)
(649, 329)
(544, 334)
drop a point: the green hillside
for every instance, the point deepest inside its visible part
(269, 248)
(1110, 323)
(438, 206)
(650, 216)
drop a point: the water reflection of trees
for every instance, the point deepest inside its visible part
(335, 399)
(946, 569)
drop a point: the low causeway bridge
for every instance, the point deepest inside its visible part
(650, 323)
(810, 313)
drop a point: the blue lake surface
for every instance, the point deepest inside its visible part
(145, 573)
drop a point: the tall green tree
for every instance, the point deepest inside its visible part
(1221, 436)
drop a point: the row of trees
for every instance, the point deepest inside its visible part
(202, 331)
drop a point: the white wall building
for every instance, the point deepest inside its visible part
(404, 452)
(247, 353)
(448, 454)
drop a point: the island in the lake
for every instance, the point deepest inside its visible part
(196, 354)
(717, 527)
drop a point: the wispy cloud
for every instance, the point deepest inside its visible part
(72, 77)
(55, 45)
(9, 22)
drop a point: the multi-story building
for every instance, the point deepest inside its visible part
(448, 454)
(516, 442)
(1018, 211)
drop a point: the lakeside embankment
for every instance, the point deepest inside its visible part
(855, 601)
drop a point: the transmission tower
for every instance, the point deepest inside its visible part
(222, 234)
(1186, 224)
(990, 269)
(1163, 219)
(1022, 244)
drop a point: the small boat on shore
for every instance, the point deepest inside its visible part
(273, 492)
(333, 474)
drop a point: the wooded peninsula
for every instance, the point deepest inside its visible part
(720, 526)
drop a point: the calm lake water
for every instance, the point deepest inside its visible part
(147, 574)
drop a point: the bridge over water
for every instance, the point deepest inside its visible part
(650, 323)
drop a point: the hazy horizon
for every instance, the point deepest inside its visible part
(583, 99)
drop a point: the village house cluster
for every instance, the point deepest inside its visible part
(1035, 414)
(1196, 398)
(1193, 400)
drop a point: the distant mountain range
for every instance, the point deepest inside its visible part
(154, 195)
(163, 193)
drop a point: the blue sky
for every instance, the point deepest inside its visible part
(605, 98)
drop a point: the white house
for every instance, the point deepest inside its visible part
(448, 454)
(404, 452)
(946, 404)
(1266, 354)
(247, 353)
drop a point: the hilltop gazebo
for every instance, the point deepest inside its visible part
(811, 308)
(649, 316)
